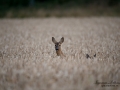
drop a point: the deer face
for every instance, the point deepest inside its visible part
(57, 44)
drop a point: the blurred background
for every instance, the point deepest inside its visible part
(58, 8)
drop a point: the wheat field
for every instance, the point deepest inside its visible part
(28, 60)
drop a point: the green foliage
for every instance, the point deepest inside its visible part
(22, 8)
(22, 3)
(14, 3)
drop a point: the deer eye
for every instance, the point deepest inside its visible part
(59, 45)
(55, 45)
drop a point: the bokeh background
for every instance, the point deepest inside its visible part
(28, 60)
(58, 8)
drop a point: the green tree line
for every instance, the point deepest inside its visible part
(26, 3)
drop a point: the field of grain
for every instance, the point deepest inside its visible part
(28, 60)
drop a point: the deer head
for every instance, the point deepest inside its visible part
(58, 45)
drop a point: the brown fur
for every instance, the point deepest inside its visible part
(58, 46)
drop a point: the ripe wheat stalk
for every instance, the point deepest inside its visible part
(28, 58)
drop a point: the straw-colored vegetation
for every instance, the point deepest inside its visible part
(28, 60)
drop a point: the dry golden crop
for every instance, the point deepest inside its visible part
(28, 60)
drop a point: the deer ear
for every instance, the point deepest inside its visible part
(53, 40)
(62, 40)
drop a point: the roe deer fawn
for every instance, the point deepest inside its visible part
(58, 46)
